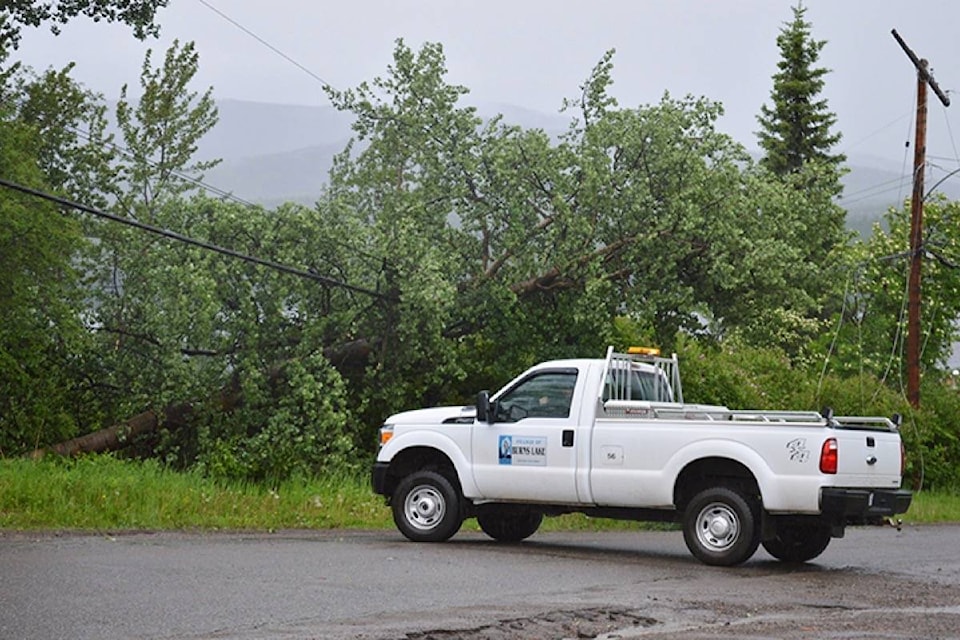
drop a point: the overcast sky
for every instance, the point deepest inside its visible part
(534, 53)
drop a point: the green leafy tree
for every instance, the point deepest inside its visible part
(40, 329)
(74, 150)
(161, 133)
(500, 246)
(796, 130)
(872, 328)
(179, 326)
(164, 324)
(53, 140)
(137, 311)
(16, 14)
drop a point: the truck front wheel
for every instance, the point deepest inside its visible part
(509, 523)
(798, 543)
(426, 507)
(720, 527)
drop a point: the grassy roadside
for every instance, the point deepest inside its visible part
(101, 493)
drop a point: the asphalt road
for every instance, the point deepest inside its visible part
(875, 583)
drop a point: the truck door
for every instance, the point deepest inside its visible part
(527, 451)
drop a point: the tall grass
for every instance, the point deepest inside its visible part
(939, 506)
(102, 493)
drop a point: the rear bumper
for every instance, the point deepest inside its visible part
(863, 506)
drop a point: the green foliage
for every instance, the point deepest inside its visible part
(151, 303)
(74, 150)
(102, 493)
(870, 332)
(139, 14)
(932, 437)
(295, 424)
(40, 329)
(795, 136)
(796, 130)
(517, 247)
(242, 343)
(161, 132)
(166, 323)
(743, 377)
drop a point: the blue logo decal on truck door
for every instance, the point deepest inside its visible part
(521, 450)
(505, 449)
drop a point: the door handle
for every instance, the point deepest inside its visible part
(567, 439)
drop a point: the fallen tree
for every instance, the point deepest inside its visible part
(118, 436)
(349, 358)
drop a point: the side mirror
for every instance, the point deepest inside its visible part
(483, 406)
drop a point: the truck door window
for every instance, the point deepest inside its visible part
(547, 395)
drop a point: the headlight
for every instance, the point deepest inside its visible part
(386, 432)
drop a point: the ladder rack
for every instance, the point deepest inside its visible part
(712, 413)
(641, 376)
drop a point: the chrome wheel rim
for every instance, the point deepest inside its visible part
(718, 527)
(424, 507)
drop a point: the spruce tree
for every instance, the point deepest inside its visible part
(796, 129)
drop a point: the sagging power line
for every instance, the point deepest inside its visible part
(192, 241)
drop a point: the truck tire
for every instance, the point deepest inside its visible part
(720, 527)
(509, 524)
(426, 507)
(798, 543)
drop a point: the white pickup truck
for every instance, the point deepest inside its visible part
(613, 438)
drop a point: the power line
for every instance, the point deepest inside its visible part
(226, 195)
(265, 43)
(953, 143)
(876, 192)
(191, 241)
(223, 194)
(875, 187)
(870, 135)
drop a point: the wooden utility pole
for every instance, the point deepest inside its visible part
(924, 78)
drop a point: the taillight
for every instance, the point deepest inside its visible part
(903, 458)
(828, 456)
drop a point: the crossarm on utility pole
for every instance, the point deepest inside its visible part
(922, 69)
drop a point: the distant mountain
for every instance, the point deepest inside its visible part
(254, 129)
(276, 153)
(871, 190)
(280, 153)
(273, 178)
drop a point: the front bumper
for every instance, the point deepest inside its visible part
(379, 480)
(863, 506)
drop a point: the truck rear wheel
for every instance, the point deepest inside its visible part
(720, 527)
(509, 523)
(426, 507)
(798, 543)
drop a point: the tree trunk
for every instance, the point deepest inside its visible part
(118, 435)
